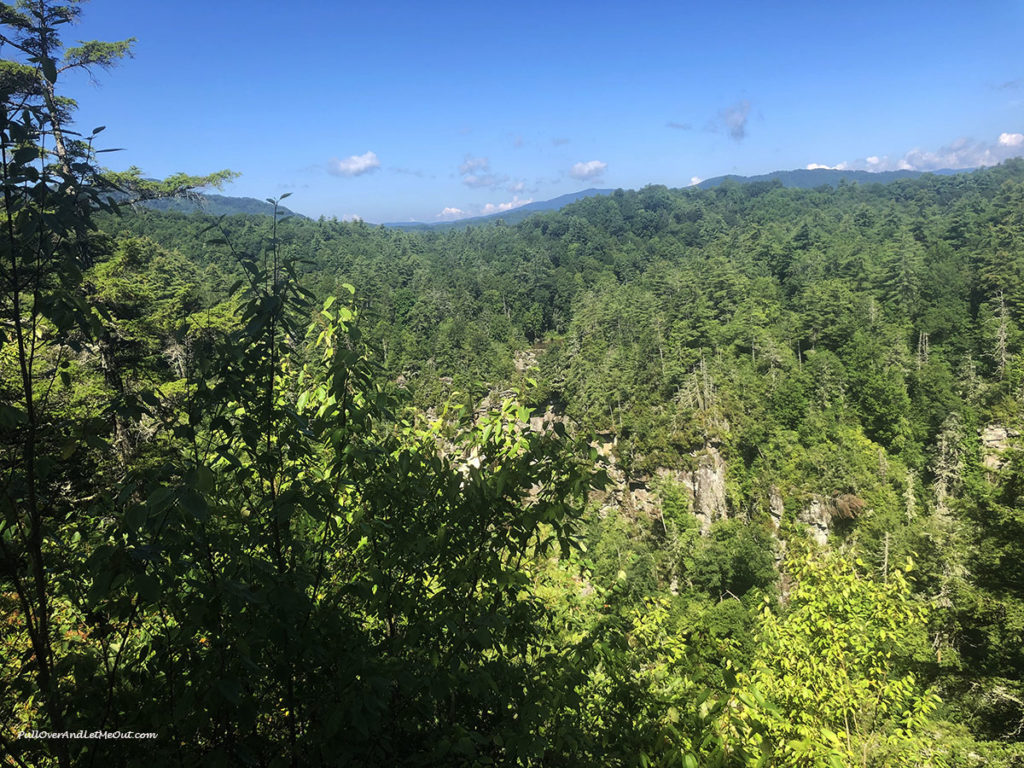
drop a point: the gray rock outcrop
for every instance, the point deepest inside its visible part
(816, 517)
(707, 484)
(995, 439)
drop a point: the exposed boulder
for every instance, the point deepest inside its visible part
(816, 517)
(995, 439)
(524, 360)
(643, 498)
(542, 422)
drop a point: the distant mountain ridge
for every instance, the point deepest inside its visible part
(218, 205)
(511, 216)
(801, 178)
(809, 178)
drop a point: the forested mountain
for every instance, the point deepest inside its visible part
(674, 477)
(764, 365)
(216, 205)
(809, 178)
(800, 178)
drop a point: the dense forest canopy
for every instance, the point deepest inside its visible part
(675, 477)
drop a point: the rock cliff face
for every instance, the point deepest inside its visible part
(775, 507)
(816, 516)
(707, 487)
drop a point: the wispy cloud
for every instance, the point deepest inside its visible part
(354, 165)
(560, 141)
(411, 172)
(476, 173)
(589, 170)
(481, 181)
(474, 164)
(678, 126)
(732, 120)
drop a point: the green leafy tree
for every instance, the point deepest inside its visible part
(832, 683)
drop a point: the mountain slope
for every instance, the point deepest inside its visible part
(803, 178)
(800, 178)
(218, 205)
(512, 216)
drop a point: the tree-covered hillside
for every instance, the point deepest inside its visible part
(842, 361)
(725, 477)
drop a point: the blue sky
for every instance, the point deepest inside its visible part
(393, 111)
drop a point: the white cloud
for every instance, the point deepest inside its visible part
(958, 154)
(517, 186)
(515, 202)
(962, 153)
(695, 180)
(819, 166)
(351, 217)
(354, 165)
(589, 170)
(450, 214)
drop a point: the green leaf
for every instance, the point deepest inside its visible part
(159, 498)
(49, 70)
(230, 689)
(11, 416)
(194, 504)
(147, 587)
(204, 479)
